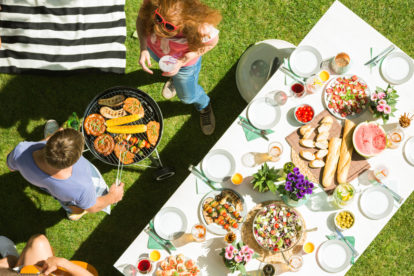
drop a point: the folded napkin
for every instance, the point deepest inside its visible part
(351, 240)
(152, 244)
(250, 135)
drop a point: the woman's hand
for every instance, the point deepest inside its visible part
(145, 59)
(174, 72)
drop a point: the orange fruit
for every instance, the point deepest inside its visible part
(308, 247)
(237, 179)
(155, 255)
(324, 75)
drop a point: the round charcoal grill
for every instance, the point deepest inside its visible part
(152, 113)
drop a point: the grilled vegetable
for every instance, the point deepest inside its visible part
(122, 120)
(109, 113)
(113, 101)
(127, 129)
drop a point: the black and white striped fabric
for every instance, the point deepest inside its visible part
(49, 36)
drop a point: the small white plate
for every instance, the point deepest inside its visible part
(170, 223)
(334, 256)
(262, 114)
(218, 165)
(397, 68)
(409, 150)
(376, 203)
(305, 61)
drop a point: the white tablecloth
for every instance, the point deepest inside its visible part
(338, 30)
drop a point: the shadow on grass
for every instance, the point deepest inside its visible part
(20, 218)
(143, 199)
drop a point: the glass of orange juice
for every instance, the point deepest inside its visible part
(308, 247)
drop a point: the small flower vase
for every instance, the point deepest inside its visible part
(294, 203)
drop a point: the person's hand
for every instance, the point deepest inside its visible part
(51, 264)
(175, 71)
(145, 59)
(116, 192)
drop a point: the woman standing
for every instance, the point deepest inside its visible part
(185, 30)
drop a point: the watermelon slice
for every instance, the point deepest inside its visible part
(369, 139)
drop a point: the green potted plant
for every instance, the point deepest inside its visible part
(265, 178)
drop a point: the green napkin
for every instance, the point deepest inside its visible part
(351, 240)
(152, 244)
(251, 135)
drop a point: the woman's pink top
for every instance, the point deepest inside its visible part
(177, 46)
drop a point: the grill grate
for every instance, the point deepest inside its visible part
(152, 113)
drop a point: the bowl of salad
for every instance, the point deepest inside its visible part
(277, 227)
(347, 97)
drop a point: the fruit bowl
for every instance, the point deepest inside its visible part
(304, 113)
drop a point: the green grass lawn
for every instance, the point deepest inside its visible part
(28, 101)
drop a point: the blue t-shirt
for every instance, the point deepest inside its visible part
(76, 190)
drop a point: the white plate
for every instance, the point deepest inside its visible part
(376, 203)
(397, 68)
(262, 114)
(409, 150)
(213, 227)
(330, 84)
(334, 256)
(218, 165)
(305, 61)
(170, 223)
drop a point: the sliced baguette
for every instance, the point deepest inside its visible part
(327, 120)
(321, 153)
(322, 144)
(324, 127)
(317, 163)
(307, 143)
(304, 129)
(308, 133)
(322, 136)
(307, 155)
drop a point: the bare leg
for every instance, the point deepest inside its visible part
(8, 262)
(36, 251)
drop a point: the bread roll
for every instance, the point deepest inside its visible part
(331, 162)
(324, 128)
(346, 152)
(316, 163)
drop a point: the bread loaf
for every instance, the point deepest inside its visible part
(331, 162)
(346, 152)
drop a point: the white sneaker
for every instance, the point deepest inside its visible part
(51, 127)
(7, 247)
(168, 91)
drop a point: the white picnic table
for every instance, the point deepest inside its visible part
(331, 35)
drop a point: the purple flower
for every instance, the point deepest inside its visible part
(309, 191)
(301, 177)
(288, 183)
(311, 185)
(299, 196)
(290, 176)
(288, 188)
(296, 169)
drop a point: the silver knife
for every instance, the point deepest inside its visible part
(388, 49)
(200, 176)
(253, 130)
(290, 74)
(156, 239)
(396, 196)
(354, 252)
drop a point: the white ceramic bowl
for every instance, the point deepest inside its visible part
(336, 223)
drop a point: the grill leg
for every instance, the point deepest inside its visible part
(161, 173)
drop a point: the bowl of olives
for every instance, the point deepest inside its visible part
(344, 220)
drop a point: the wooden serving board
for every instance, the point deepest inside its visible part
(358, 164)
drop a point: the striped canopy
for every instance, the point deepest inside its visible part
(49, 36)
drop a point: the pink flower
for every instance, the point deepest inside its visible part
(387, 109)
(251, 252)
(247, 258)
(381, 95)
(382, 102)
(245, 249)
(230, 248)
(374, 96)
(228, 255)
(380, 108)
(238, 259)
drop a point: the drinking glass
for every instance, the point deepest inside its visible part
(297, 90)
(394, 138)
(144, 265)
(295, 263)
(199, 232)
(274, 151)
(276, 98)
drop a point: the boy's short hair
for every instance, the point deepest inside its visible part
(64, 148)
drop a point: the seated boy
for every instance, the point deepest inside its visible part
(57, 166)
